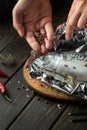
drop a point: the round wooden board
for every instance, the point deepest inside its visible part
(46, 90)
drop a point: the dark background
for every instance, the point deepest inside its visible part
(6, 7)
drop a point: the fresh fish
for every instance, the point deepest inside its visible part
(64, 70)
(65, 67)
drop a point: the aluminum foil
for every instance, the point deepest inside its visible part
(73, 50)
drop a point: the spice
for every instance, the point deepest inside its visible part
(27, 89)
(46, 101)
(7, 59)
(27, 96)
(77, 113)
(41, 36)
(23, 86)
(4, 92)
(79, 120)
(66, 65)
(18, 87)
(59, 106)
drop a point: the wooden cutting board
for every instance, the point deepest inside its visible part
(46, 90)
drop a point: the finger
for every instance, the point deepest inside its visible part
(17, 23)
(71, 24)
(82, 21)
(44, 49)
(48, 44)
(32, 41)
(69, 32)
(49, 33)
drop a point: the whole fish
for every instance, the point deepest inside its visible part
(61, 69)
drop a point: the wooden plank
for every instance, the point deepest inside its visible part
(7, 35)
(40, 114)
(64, 123)
(20, 97)
(20, 50)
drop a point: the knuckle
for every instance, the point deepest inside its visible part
(13, 11)
(16, 11)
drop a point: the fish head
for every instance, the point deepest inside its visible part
(46, 61)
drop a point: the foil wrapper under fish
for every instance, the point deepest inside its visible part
(65, 67)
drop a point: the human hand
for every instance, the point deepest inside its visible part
(30, 16)
(77, 17)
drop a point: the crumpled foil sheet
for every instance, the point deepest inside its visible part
(78, 44)
(59, 42)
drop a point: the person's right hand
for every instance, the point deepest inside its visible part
(77, 17)
(30, 16)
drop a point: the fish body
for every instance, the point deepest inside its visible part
(63, 65)
(64, 71)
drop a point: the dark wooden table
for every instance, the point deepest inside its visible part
(29, 110)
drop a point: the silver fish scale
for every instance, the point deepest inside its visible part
(78, 56)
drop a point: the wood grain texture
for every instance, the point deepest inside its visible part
(7, 35)
(38, 115)
(64, 122)
(10, 111)
(13, 44)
